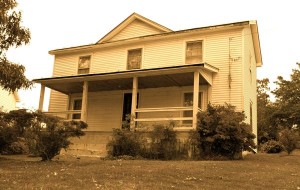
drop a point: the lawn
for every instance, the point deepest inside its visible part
(260, 171)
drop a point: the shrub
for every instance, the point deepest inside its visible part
(49, 134)
(163, 143)
(223, 133)
(124, 142)
(272, 146)
(288, 138)
(7, 134)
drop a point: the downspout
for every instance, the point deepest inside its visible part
(229, 68)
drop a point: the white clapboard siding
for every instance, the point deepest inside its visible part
(7, 100)
(218, 51)
(58, 102)
(135, 29)
(249, 86)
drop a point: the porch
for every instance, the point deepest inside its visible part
(189, 78)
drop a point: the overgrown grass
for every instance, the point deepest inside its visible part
(260, 171)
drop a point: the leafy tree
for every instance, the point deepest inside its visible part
(288, 100)
(288, 138)
(223, 132)
(12, 34)
(267, 128)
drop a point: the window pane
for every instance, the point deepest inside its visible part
(134, 59)
(84, 64)
(77, 106)
(194, 52)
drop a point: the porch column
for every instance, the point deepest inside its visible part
(84, 106)
(195, 98)
(42, 95)
(133, 102)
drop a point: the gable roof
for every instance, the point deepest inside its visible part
(129, 20)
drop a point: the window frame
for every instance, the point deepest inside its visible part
(86, 69)
(128, 57)
(186, 57)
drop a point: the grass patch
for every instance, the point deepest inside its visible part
(260, 171)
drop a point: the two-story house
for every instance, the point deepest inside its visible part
(155, 74)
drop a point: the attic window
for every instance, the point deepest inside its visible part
(84, 64)
(134, 59)
(193, 52)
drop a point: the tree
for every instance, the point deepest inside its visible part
(267, 128)
(288, 100)
(12, 34)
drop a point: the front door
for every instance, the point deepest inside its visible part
(127, 101)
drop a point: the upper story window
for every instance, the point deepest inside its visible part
(134, 59)
(84, 64)
(193, 52)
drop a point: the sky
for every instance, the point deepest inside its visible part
(56, 24)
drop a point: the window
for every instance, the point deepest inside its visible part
(188, 101)
(77, 106)
(193, 52)
(134, 59)
(84, 64)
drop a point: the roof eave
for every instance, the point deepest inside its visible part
(256, 43)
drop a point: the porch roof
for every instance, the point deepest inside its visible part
(181, 75)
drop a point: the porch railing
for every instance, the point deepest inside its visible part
(164, 109)
(68, 113)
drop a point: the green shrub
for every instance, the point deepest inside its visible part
(124, 142)
(223, 133)
(49, 134)
(289, 139)
(163, 144)
(272, 146)
(7, 134)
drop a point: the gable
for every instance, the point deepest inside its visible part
(135, 29)
(134, 26)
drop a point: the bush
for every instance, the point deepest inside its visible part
(272, 146)
(124, 142)
(288, 138)
(163, 143)
(49, 134)
(223, 133)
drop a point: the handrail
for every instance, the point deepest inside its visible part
(64, 112)
(190, 108)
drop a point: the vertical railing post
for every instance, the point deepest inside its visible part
(84, 106)
(195, 98)
(42, 96)
(133, 102)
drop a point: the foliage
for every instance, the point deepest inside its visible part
(44, 135)
(267, 128)
(49, 134)
(163, 143)
(7, 134)
(124, 142)
(12, 34)
(288, 138)
(223, 132)
(288, 100)
(20, 120)
(272, 146)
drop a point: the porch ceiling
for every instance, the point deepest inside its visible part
(147, 78)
